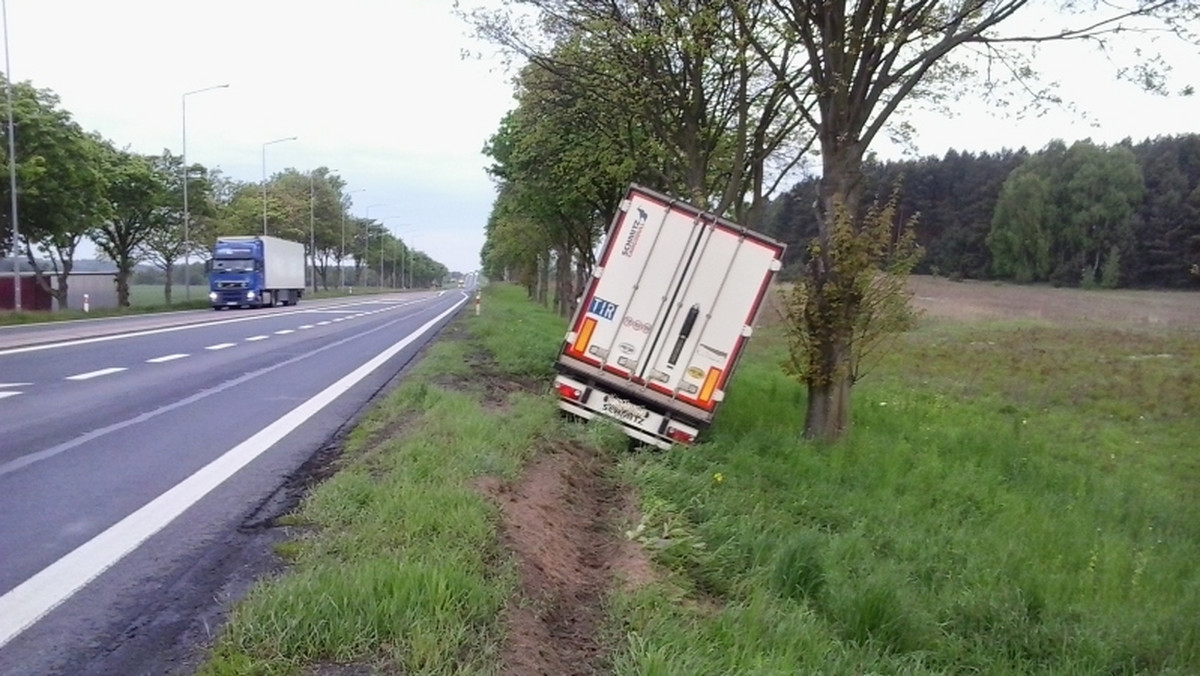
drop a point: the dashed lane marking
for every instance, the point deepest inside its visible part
(220, 346)
(306, 326)
(166, 358)
(324, 323)
(284, 332)
(96, 374)
(5, 386)
(251, 339)
(30, 600)
(6, 395)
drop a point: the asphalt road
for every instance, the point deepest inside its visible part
(139, 470)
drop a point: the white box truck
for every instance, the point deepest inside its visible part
(664, 318)
(255, 271)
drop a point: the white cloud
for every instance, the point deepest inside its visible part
(378, 91)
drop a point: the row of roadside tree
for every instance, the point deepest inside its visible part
(724, 102)
(74, 185)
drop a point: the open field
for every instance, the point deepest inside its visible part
(1017, 496)
(974, 301)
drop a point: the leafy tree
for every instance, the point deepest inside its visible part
(60, 183)
(135, 194)
(1100, 192)
(165, 242)
(1019, 242)
(866, 58)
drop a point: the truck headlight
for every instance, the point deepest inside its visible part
(250, 295)
(212, 295)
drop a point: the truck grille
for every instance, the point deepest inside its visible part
(231, 285)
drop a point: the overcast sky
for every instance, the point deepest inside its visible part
(378, 91)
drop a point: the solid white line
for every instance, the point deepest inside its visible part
(96, 374)
(251, 339)
(284, 332)
(166, 358)
(220, 346)
(5, 395)
(26, 603)
(7, 385)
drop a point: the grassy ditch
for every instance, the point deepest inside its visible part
(1015, 497)
(396, 561)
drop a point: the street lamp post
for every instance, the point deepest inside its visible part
(264, 175)
(12, 167)
(312, 228)
(409, 252)
(367, 239)
(187, 235)
(342, 250)
(395, 245)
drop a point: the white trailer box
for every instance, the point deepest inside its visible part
(284, 263)
(664, 319)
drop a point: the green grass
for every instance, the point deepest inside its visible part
(396, 562)
(1014, 498)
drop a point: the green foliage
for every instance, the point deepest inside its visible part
(1063, 212)
(1019, 242)
(858, 299)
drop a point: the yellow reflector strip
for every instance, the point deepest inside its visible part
(710, 384)
(585, 335)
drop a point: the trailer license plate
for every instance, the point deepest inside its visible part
(624, 411)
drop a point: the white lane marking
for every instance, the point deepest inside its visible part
(29, 601)
(5, 395)
(340, 319)
(284, 332)
(96, 374)
(8, 385)
(324, 323)
(251, 339)
(306, 326)
(334, 312)
(220, 346)
(166, 329)
(166, 358)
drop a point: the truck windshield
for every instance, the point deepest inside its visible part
(233, 265)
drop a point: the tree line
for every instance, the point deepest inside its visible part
(1080, 215)
(74, 185)
(719, 101)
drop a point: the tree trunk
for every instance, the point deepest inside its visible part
(123, 287)
(562, 281)
(827, 417)
(832, 323)
(170, 270)
(543, 277)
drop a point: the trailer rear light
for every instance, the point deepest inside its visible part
(569, 392)
(682, 436)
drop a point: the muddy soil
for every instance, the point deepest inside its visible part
(562, 521)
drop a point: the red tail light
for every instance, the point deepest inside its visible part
(679, 435)
(569, 392)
